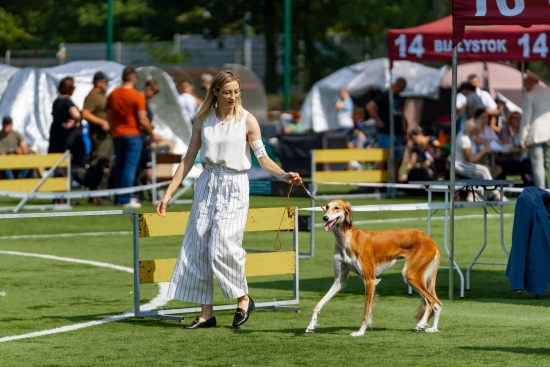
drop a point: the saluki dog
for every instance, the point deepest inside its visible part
(369, 253)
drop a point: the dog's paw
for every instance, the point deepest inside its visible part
(432, 330)
(357, 333)
(310, 330)
(420, 327)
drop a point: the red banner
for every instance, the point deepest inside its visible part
(498, 12)
(432, 41)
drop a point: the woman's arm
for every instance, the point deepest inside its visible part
(267, 164)
(183, 168)
(476, 157)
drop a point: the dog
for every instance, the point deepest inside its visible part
(369, 253)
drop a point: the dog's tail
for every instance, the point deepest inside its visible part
(430, 275)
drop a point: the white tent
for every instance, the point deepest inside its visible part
(27, 96)
(318, 112)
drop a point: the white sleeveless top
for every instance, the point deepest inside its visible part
(225, 143)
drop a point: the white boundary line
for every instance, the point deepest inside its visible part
(159, 300)
(57, 235)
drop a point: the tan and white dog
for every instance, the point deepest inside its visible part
(369, 253)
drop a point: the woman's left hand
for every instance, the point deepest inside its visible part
(293, 178)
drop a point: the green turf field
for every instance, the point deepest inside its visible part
(47, 291)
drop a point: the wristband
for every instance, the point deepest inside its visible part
(282, 176)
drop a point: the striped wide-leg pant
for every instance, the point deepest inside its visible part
(212, 244)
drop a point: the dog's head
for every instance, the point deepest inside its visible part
(337, 212)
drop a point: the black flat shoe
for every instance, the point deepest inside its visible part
(196, 324)
(241, 315)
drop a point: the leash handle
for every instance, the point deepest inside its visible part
(311, 196)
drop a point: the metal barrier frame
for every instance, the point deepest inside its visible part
(168, 314)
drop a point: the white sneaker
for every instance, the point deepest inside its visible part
(133, 204)
(470, 197)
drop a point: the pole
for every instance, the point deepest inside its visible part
(288, 17)
(452, 177)
(109, 51)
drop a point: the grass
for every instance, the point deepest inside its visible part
(491, 326)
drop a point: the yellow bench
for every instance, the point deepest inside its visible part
(322, 172)
(39, 162)
(344, 156)
(257, 264)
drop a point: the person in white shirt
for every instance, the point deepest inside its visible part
(468, 156)
(534, 134)
(188, 102)
(488, 101)
(224, 132)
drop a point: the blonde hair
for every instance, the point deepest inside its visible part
(220, 79)
(470, 125)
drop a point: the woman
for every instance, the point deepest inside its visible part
(66, 131)
(422, 158)
(212, 245)
(468, 157)
(66, 118)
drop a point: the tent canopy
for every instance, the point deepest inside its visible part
(27, 96)
(318, 112)
(432, 42)
(484, 13)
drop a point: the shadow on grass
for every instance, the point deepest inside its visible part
(518, 350)
(486, 286)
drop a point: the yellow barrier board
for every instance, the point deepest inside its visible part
(264, 219)
(257, 264)
(27, 184)
(351, 176)
(346, 155)
(24, 161)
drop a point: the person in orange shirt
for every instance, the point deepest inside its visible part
(126, 113)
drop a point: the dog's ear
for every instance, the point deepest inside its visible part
(347, 209)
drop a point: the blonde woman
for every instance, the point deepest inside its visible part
(223, 131)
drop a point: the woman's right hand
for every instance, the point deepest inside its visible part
(69, 124)
(163, 203)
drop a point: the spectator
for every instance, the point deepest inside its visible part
(344, 110)
(467, 101)
(359, 139)
(127, 115)
(292, 124)
(66, 131)
(95, 112)
(514, 163)
(188, 102)
(379, 110)
(12, 142)
(206, 81)
(487, 135)
(468, 157)
(535, 128)
(422, 158)
(144, 172)
(488, 101)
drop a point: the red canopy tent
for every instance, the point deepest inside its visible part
(432, 42)
(512, 36)
(484, 12)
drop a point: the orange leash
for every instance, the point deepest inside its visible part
(278, 237)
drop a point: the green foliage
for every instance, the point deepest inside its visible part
(34, 24)
(11, 32)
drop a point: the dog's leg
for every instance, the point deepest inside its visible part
(370, 286)
(437, 312)
(428, 301)
(340, 280)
